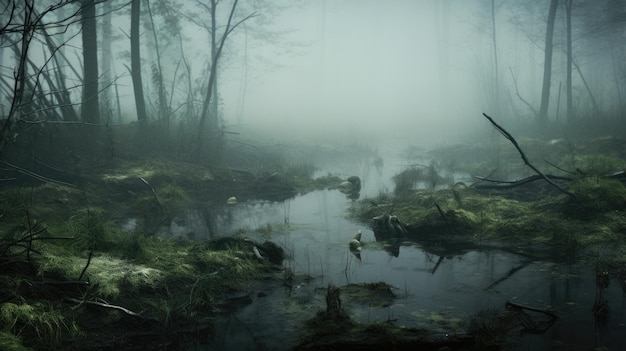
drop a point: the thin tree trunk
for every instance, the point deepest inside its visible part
(596, 107)
(60, 91)
(212, 77)
(162, 104)
(568, 82)
(547, 66)
(496, 80)
(106, 60)
(618, 88)
(90, 108)
(135, 61)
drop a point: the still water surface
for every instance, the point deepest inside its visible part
(464, 282)
(439, 293)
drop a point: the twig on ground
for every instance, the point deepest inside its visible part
(104, 304)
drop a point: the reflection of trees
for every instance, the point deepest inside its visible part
(601, 304)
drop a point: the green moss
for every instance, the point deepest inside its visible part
(445, 322)
(595, 196)
(377, 294)
(173, 198)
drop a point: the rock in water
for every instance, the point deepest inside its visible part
(355, 244)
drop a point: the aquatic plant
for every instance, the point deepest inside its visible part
(379, 294)
(491, 328)
(298, 170)
(407, 179)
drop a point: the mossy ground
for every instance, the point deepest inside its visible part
(70, 273)
(535, 214)
(52, 298)
(62, 246)
(72, 277)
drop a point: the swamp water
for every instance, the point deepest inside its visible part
(435, 292)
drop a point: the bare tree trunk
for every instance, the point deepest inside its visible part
(496, 80)
(20, 76)
(618, 88)
(90, 111)
(60, 90)
(568, 82)
(162, 103)
(596, 107)
(217, 50)
(106, 60)
(135, 61)
(213, 118)
(547, 66)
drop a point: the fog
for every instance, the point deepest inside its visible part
(363, 71)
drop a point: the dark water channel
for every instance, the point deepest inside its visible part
(438, 293)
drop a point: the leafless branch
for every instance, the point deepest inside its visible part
(510, 138)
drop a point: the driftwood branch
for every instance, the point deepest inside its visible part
(506, 184)
(104, 304)
(510, 138)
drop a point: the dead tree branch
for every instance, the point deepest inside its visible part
(506, 184)
(104, 304)
(520, 96)
(510, 138)
(156, 197)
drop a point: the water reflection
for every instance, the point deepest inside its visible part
(428, 280)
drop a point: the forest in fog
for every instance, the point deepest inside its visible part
(312, 174)
(182, 77)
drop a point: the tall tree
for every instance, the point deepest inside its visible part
(217, 50)
(106, 53)
(135, 60)
(157, 75)
(547, 63)
(496, 73)
(26, 30)
(569, 54)
(90, 109)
